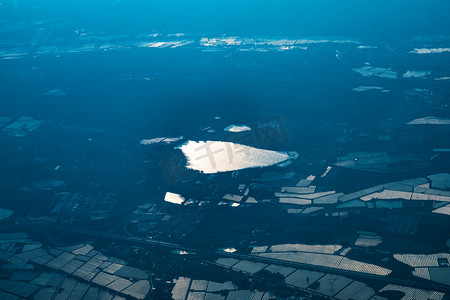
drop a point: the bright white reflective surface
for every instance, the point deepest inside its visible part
(215, 156)
(173, 198)
(237, 128)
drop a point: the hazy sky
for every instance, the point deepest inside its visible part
(381, 18)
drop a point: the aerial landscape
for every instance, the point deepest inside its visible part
(199, 151)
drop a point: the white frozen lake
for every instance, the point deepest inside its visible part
(416, 74)
(215, 156)
(237, 128)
